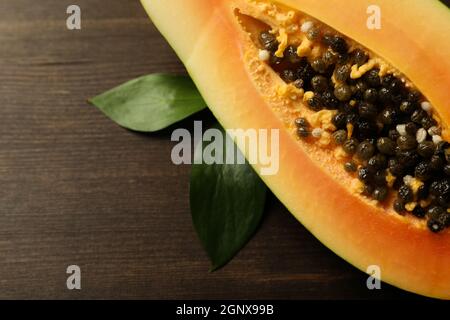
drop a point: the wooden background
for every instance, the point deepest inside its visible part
(77, 189)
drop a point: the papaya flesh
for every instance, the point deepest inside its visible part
(217, 42)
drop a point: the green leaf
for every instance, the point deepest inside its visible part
(151, 102)
(227, 203)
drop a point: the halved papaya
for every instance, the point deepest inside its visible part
(237, 53)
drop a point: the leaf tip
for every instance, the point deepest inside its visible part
(213, 269)
(216, 266)
(91, 101)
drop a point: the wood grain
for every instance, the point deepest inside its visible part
(77, 189)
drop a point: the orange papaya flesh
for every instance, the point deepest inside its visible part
(216, 40)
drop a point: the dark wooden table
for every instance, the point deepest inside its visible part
(78, 189)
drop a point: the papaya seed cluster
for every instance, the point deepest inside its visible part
(385, 127)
